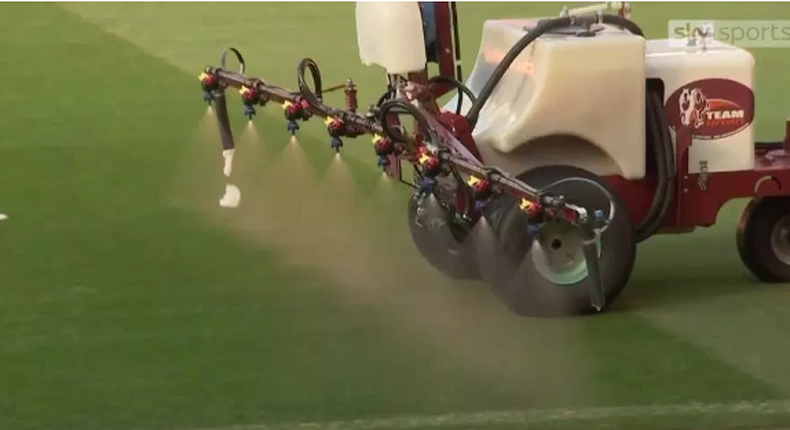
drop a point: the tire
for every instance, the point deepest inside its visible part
(763, 238)
(511, 260)
(440, 244)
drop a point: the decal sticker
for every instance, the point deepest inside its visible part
(711, 108)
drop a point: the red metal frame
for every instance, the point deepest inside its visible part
(444, 40)
(459, 126)
(447, 67)
(444, 46)
(699, 198)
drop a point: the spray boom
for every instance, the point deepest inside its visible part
(434, 151)
(305, 104)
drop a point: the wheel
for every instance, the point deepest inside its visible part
(441, 240)
(763, 238)
(544, 273)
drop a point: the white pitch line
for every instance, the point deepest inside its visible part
(473, 419)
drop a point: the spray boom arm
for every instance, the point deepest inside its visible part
(434, 150)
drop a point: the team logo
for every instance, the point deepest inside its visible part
(694, 107)
(711, 108)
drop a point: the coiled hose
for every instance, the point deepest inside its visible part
(313, 97)
(664, 153)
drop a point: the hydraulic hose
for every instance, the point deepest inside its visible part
(463, 90)
(669, 153)
(666, 172)
(313, 97)
(654, 141)
(542, 28)
(223, 60)
(459, 76)
(403, 107)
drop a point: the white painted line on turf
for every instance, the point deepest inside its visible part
(530, 417)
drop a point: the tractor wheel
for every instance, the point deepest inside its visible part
(440, 241)
(763, 238)
(543, 273)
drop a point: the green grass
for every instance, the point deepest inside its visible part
(130, 302)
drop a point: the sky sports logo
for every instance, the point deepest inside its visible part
(744, 34)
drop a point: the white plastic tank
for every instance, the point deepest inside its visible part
(709, 90)
(390, 35)
(590, 88)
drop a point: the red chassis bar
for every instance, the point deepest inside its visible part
(700, 196)
(445, 45)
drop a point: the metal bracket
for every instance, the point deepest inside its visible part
(590, 239)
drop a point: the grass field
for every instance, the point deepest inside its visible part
(130, 300)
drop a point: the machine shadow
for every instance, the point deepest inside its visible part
(679, 270)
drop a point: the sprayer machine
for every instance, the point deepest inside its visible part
(573, 140)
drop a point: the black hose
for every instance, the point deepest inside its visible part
(542, 28)
(239, 57)
(459, 76)
(403, 107)
(767, 146)
(313, 97)
(654, 142)
(667, 175)
(463, 90)
(669, 153)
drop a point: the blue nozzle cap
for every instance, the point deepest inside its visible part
(249, 112)
(293, 127)
(336, 144)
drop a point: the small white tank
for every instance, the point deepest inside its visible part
(591, 88)
(390, 35)
(709, 90)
